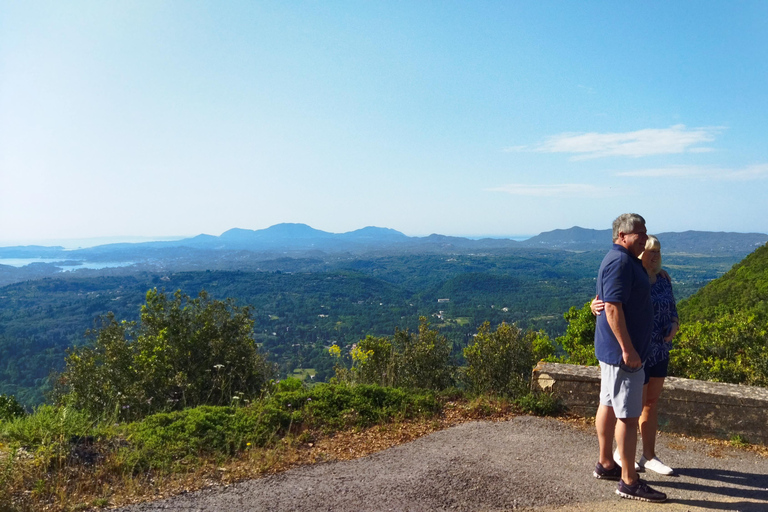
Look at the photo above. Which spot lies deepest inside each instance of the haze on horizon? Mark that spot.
(171, 119)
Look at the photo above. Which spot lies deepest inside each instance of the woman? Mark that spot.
(665, 326)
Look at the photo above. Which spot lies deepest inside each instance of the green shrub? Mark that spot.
(376, 361)
(733, 348)
(409, 360)
(165, 439)
(10, 408)
(579, 338)
(46, 425)
(184, 352)
(540, 404)
(500, 362)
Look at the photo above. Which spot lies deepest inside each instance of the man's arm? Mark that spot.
(614, 313)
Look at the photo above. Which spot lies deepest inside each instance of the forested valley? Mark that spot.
(302, 306)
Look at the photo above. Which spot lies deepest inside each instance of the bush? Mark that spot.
(49, 433)
(375, 361)
(732, 349)
(426, 358)
(46, 425)
(500, 362)
(163, 440)
(409, 360)
(10, 408)
(579, 338)
(184, 352)
(540, 404)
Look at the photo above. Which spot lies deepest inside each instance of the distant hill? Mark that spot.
(709, 243)
(575, 238)
(245, 249)
(289, 237)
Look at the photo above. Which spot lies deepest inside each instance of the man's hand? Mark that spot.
(632, 359)
(615, 315)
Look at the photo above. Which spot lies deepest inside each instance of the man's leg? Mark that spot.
(605, 422)
(626, 439)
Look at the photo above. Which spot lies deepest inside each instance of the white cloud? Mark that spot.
(561, 190)
(651, 141)
(752, 172)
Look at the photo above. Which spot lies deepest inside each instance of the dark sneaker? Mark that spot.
(607, 474)
(640, 491)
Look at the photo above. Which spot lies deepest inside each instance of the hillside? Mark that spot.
(723, 334)
(743, 289)
(308, 287)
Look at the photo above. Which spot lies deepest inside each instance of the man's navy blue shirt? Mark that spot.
(622, 279)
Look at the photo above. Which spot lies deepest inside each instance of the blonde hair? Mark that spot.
(650, 245)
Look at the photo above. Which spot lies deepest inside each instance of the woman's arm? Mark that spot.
(675, 319)
(597, 306)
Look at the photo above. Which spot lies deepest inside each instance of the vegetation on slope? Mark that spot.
(724, 331)
(124, 429)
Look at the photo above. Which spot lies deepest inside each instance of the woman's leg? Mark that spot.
(649, 420)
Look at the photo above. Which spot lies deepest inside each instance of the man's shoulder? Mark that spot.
(616, 256)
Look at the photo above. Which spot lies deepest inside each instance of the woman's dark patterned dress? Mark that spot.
(664, 313)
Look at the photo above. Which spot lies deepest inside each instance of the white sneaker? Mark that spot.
(617, 460)
(656, 465)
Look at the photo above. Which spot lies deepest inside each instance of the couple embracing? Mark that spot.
(632, 340)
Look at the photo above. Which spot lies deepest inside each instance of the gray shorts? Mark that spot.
(622, 388)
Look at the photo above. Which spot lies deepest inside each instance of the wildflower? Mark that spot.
(218, 366)
(235, 397)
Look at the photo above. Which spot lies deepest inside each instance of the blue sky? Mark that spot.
(152, 118)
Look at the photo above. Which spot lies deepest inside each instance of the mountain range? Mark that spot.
(301, 240)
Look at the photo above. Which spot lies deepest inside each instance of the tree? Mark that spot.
(500, 362)
(10, 408)
(407, 359)
(733, 348)
(579, 338)
(183, 352)
(426, 358)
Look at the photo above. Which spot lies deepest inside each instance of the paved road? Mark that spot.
(526, 463)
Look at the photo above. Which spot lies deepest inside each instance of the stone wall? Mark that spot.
(686, 406)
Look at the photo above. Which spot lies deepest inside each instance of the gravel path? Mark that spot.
(524, 463)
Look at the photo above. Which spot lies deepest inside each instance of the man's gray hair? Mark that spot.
(626, 223)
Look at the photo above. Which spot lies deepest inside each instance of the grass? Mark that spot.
(59, 459)
(739, 441)
(303, 374)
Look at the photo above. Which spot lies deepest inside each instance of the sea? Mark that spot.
(65, 267)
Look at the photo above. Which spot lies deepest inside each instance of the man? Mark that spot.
(622, 338)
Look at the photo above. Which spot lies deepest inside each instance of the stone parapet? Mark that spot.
(686, 406)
